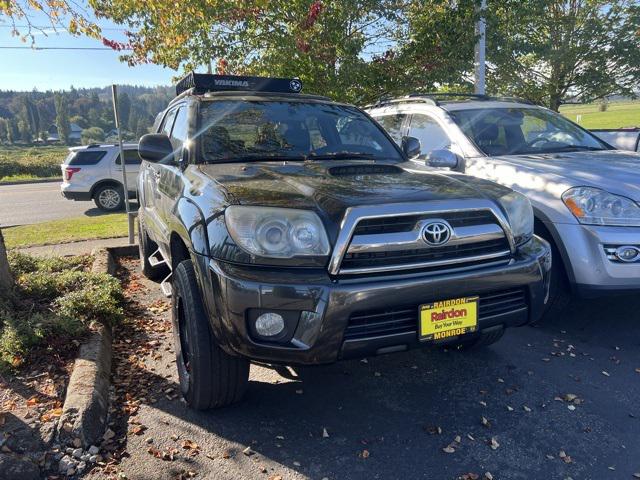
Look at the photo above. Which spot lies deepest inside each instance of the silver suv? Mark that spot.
(584, 193)
(94, 172)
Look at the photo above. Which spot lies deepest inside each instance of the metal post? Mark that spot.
(114, 93)
(479, 57)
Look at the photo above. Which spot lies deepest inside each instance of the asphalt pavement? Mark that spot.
(38, 202)
(558, 401)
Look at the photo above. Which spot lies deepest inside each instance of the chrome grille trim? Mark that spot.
(355, 214)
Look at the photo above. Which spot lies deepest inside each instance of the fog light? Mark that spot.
(628, 254)
(269, 324)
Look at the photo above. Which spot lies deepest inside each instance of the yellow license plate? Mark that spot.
(448, 318)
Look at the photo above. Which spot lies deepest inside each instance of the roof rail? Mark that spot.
(406, 99)
(206, 82)
(436, 98)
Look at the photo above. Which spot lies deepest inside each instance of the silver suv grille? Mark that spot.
(393, 238)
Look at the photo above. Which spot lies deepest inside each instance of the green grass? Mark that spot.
(618, 115)
(53, 302)
(31, 163)
(67, 230)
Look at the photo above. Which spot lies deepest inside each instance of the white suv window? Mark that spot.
(428, 131)
(393, 125)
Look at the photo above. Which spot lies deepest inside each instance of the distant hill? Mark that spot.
(88, 108)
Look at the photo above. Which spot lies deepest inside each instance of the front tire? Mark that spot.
(209, 377)
(109, 198)
(559, 290)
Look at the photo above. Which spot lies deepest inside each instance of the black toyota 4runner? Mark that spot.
(289, 230)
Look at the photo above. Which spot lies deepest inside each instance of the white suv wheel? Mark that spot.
(109, 198)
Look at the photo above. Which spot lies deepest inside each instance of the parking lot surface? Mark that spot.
(557, 401)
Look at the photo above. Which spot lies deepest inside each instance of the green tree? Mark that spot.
(80, 121)
(62, 117)
(92, 135)
(124, 109)
(553, 51)
(32, 115)
(4, 130)
(13, 130)
(25, 131)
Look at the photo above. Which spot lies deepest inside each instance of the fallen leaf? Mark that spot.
(138, 429)
(433, 430)
(488, 476)
(248, 452)
(510, 408)
(605, 373)
(449, 449)
(190, 445)
(365, 454)
(325, 434)
(493, 443)
(525, 408)
(485, 422)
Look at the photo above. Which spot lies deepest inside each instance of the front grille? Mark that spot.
(372, 226)
(404, 319)
(403, 257)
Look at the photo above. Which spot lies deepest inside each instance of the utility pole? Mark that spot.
(480, 50)
(123, 163)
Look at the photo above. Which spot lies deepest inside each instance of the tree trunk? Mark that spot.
(6, 279)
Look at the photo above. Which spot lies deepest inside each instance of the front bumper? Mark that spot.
(586, 262)
(329, 304)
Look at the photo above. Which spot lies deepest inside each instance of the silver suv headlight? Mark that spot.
(277, 232)
(520, 216)
(592, 206)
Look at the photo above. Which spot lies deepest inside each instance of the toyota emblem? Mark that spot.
(436, 233)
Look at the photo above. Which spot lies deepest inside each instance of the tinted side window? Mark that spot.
(87, 157)
(431, 135)
(180, 128)
(167, 124)
(131, 157)
(393, 125)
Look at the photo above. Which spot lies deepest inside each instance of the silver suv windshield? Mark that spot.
(518, 131)
(282, 130)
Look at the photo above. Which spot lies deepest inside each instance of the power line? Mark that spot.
(58, 48)
(59, 27)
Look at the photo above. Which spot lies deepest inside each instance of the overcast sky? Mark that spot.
(26, 69)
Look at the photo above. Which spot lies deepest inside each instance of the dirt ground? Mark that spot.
(554, 402)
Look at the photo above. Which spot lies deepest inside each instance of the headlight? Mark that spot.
(277, 232)
(592, 206)
(520, 216)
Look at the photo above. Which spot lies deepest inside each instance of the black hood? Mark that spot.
(331, 187)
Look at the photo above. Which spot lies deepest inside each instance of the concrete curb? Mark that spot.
(85, 409)
(27, 182)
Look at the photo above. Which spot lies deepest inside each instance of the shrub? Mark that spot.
(54, 297)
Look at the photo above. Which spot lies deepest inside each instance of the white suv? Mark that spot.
(94, 172)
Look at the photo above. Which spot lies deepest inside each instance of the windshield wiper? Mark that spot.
(570, 148)
(339, 155)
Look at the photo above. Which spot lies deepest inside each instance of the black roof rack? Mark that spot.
(436, 98)
(206, 82)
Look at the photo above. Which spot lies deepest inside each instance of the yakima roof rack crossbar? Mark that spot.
(206, 82)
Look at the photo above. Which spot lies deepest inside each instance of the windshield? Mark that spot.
(516, 131)
(262, 130)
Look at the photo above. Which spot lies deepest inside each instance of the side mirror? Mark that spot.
(442, 159)
(155, 147)
(411, 146)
